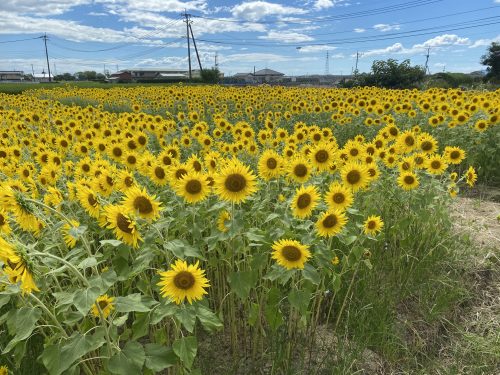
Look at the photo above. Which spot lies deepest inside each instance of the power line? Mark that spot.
(359, 14)
(20, 40)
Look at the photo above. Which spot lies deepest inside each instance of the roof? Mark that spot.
(11, 72)
(173, 75)
(40, 75)
(268, 72)
(242, 74)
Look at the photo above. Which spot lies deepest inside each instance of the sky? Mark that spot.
(293, 37)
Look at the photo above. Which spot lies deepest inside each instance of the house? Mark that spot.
(152, 75)
(11, 76)
(267, 75)
(42, 77)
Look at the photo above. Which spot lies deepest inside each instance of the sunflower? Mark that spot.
(224, 216)
(138, 202)
(373, 224)
(183, 282)
(125, 180)
(322, 155)
(304, 201)
(270, 165)
(338, 196)
(193, 187)
(103, 303)
(4, 223)
(355, 175)
(471, 176)
(235, 182)
(436, 164)
(88, 200)
(290, 253)
(68, 233)
(331, 222)
(16, 267)
(123, 225)
(454, 155)
(4, 370)
(299, 170)
(408, 180)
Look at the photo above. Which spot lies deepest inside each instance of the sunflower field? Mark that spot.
(151, 230)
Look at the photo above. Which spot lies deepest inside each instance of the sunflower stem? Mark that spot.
(72, 267)
(49, 313)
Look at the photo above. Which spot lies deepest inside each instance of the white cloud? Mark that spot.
(316, 48)
(45, 7)
(257, 10)
(168, 6)
(395, 48)
(359, 30)
(286, 37)
(259, 57)
(444, 40)
(323, 4)
(383, 27)
(485, 42)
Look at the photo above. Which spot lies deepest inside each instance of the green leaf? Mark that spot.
(140, 326)
(104, 281)
(159, 357)
(348, 240)
(208, 319)
(253, 314)
(84, 299)
(310, 273)
(60, 357)
(187, 316)
(4, 299)
(21, 323)
(185, 348)
(114, 243)
(133, 302)
(182, 249)
(120, 320)
(357, 251)
(161, 311)
(129, 361)
(368, 264)
(336, 283)
(242, 282)
(87, 263)
(299, 299)
(271, 311)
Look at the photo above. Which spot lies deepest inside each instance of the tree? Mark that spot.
(90, 75)
(64, 77)
(492, 61)
(390, 74)
(210, 75)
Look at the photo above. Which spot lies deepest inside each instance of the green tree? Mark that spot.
(64, 77)
(492, 60)
(390, 74)
(210, 75)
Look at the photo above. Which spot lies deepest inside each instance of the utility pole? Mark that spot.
(33, 71)
(47, 55)
(427, 71)
(216, 63)
(327, 64)
(188, 16)
(196, 49)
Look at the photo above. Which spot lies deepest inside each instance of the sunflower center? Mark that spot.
(321, 156)
(436, 164)
(410, 141)
(179, 173)
(338, 198)
(300, 170)
(455, 154)
(426, 146)
(129, 181)
(330, 221)
(353, 177)
(409, 180)
(2, 220)
(193, 187)
(271, 163)
(91, 199)
(102, 304)
(184, 280)
(354, 152)
(122, 222)
(291, 253)
(371, 224)
(235, 182)
(143, 205)
(160, 173)
(117, 151)
(197, 166)
(304, 201)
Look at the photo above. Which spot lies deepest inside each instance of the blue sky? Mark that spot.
(289, 36)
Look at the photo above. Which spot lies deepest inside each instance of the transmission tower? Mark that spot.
(427, 71)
